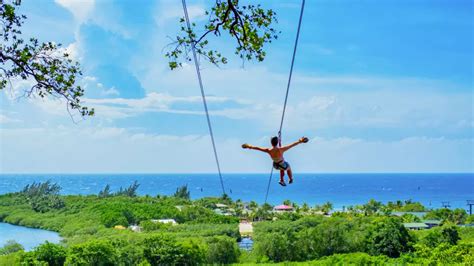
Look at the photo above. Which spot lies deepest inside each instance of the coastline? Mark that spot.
(28, 237)
(429, 189)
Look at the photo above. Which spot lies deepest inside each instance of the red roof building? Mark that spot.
(283, 208)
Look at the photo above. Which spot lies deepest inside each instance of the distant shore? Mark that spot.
(430, 189)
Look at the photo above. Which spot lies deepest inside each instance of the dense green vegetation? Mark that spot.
(94, 229)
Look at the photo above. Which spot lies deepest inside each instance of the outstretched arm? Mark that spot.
(248, 146)
(289, 146)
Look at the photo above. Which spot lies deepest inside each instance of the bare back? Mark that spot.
(276, 153)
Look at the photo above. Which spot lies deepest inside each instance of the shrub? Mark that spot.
(113, 218)
(445, 254)
(10, 247)
(165, 250)
(276, 247)
(149, 226)
(11, 259)
(352, 259)
(53, 254)
(96, 252)
(389, 237)
(222, 250)
(457, 216)
(446, 234)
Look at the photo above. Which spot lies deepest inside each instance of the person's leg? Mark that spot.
(290, 175)
(282, 175)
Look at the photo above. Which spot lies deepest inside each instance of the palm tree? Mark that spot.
(327, 207)
(371, 207)
(305, 207)
(182, 192)
(253, 205)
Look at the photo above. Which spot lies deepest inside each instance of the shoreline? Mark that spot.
(29, 237)
(430, 189)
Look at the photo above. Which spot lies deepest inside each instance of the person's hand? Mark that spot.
(245, 146)
(304, 140)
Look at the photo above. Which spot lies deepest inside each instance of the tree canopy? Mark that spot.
(49, 68)
(250, 26)
(51, 72)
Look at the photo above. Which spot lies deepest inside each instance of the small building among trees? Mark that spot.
(416, 226)
(283, 208)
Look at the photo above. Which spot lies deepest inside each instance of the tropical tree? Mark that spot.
(388, 237)
(446, 234)
(226, 199)
(253, 205)
(44, 196)
(131, 191)
(277, 246)
(249, 25)
(457, 216)
(182, 192)
(327, 207)
(165, 250)
(305, 207)
(410, 218)
(371, 207)
(10, 246)
(263, 213)
(96, 252)
(53, 254)
(222, 250)
(105, 193)
(45, 65)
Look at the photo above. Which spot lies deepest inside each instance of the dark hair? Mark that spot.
(274, 141)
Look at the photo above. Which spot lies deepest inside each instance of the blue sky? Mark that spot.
(379, 86)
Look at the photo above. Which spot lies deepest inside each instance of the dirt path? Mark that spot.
(245, 228)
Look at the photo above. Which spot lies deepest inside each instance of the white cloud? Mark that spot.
(81, 9)
(152, 102)
(66, 149)
(110, 92)
(73, 50)
(92, 11)
(52, 106)
(314, 103)
(414, 154)
(5, 119)
(171, 11)
(394, 109)
(18, 88)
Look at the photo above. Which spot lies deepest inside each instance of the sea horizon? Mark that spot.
(431, 189)
(223, 173)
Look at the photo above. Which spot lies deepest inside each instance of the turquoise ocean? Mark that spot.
(340, 189)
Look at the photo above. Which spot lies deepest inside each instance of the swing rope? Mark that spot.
(287, 91)
(198, 72)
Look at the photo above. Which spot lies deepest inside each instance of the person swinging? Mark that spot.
(276, 153)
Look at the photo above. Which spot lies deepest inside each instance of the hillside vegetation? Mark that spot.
(96, 231)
